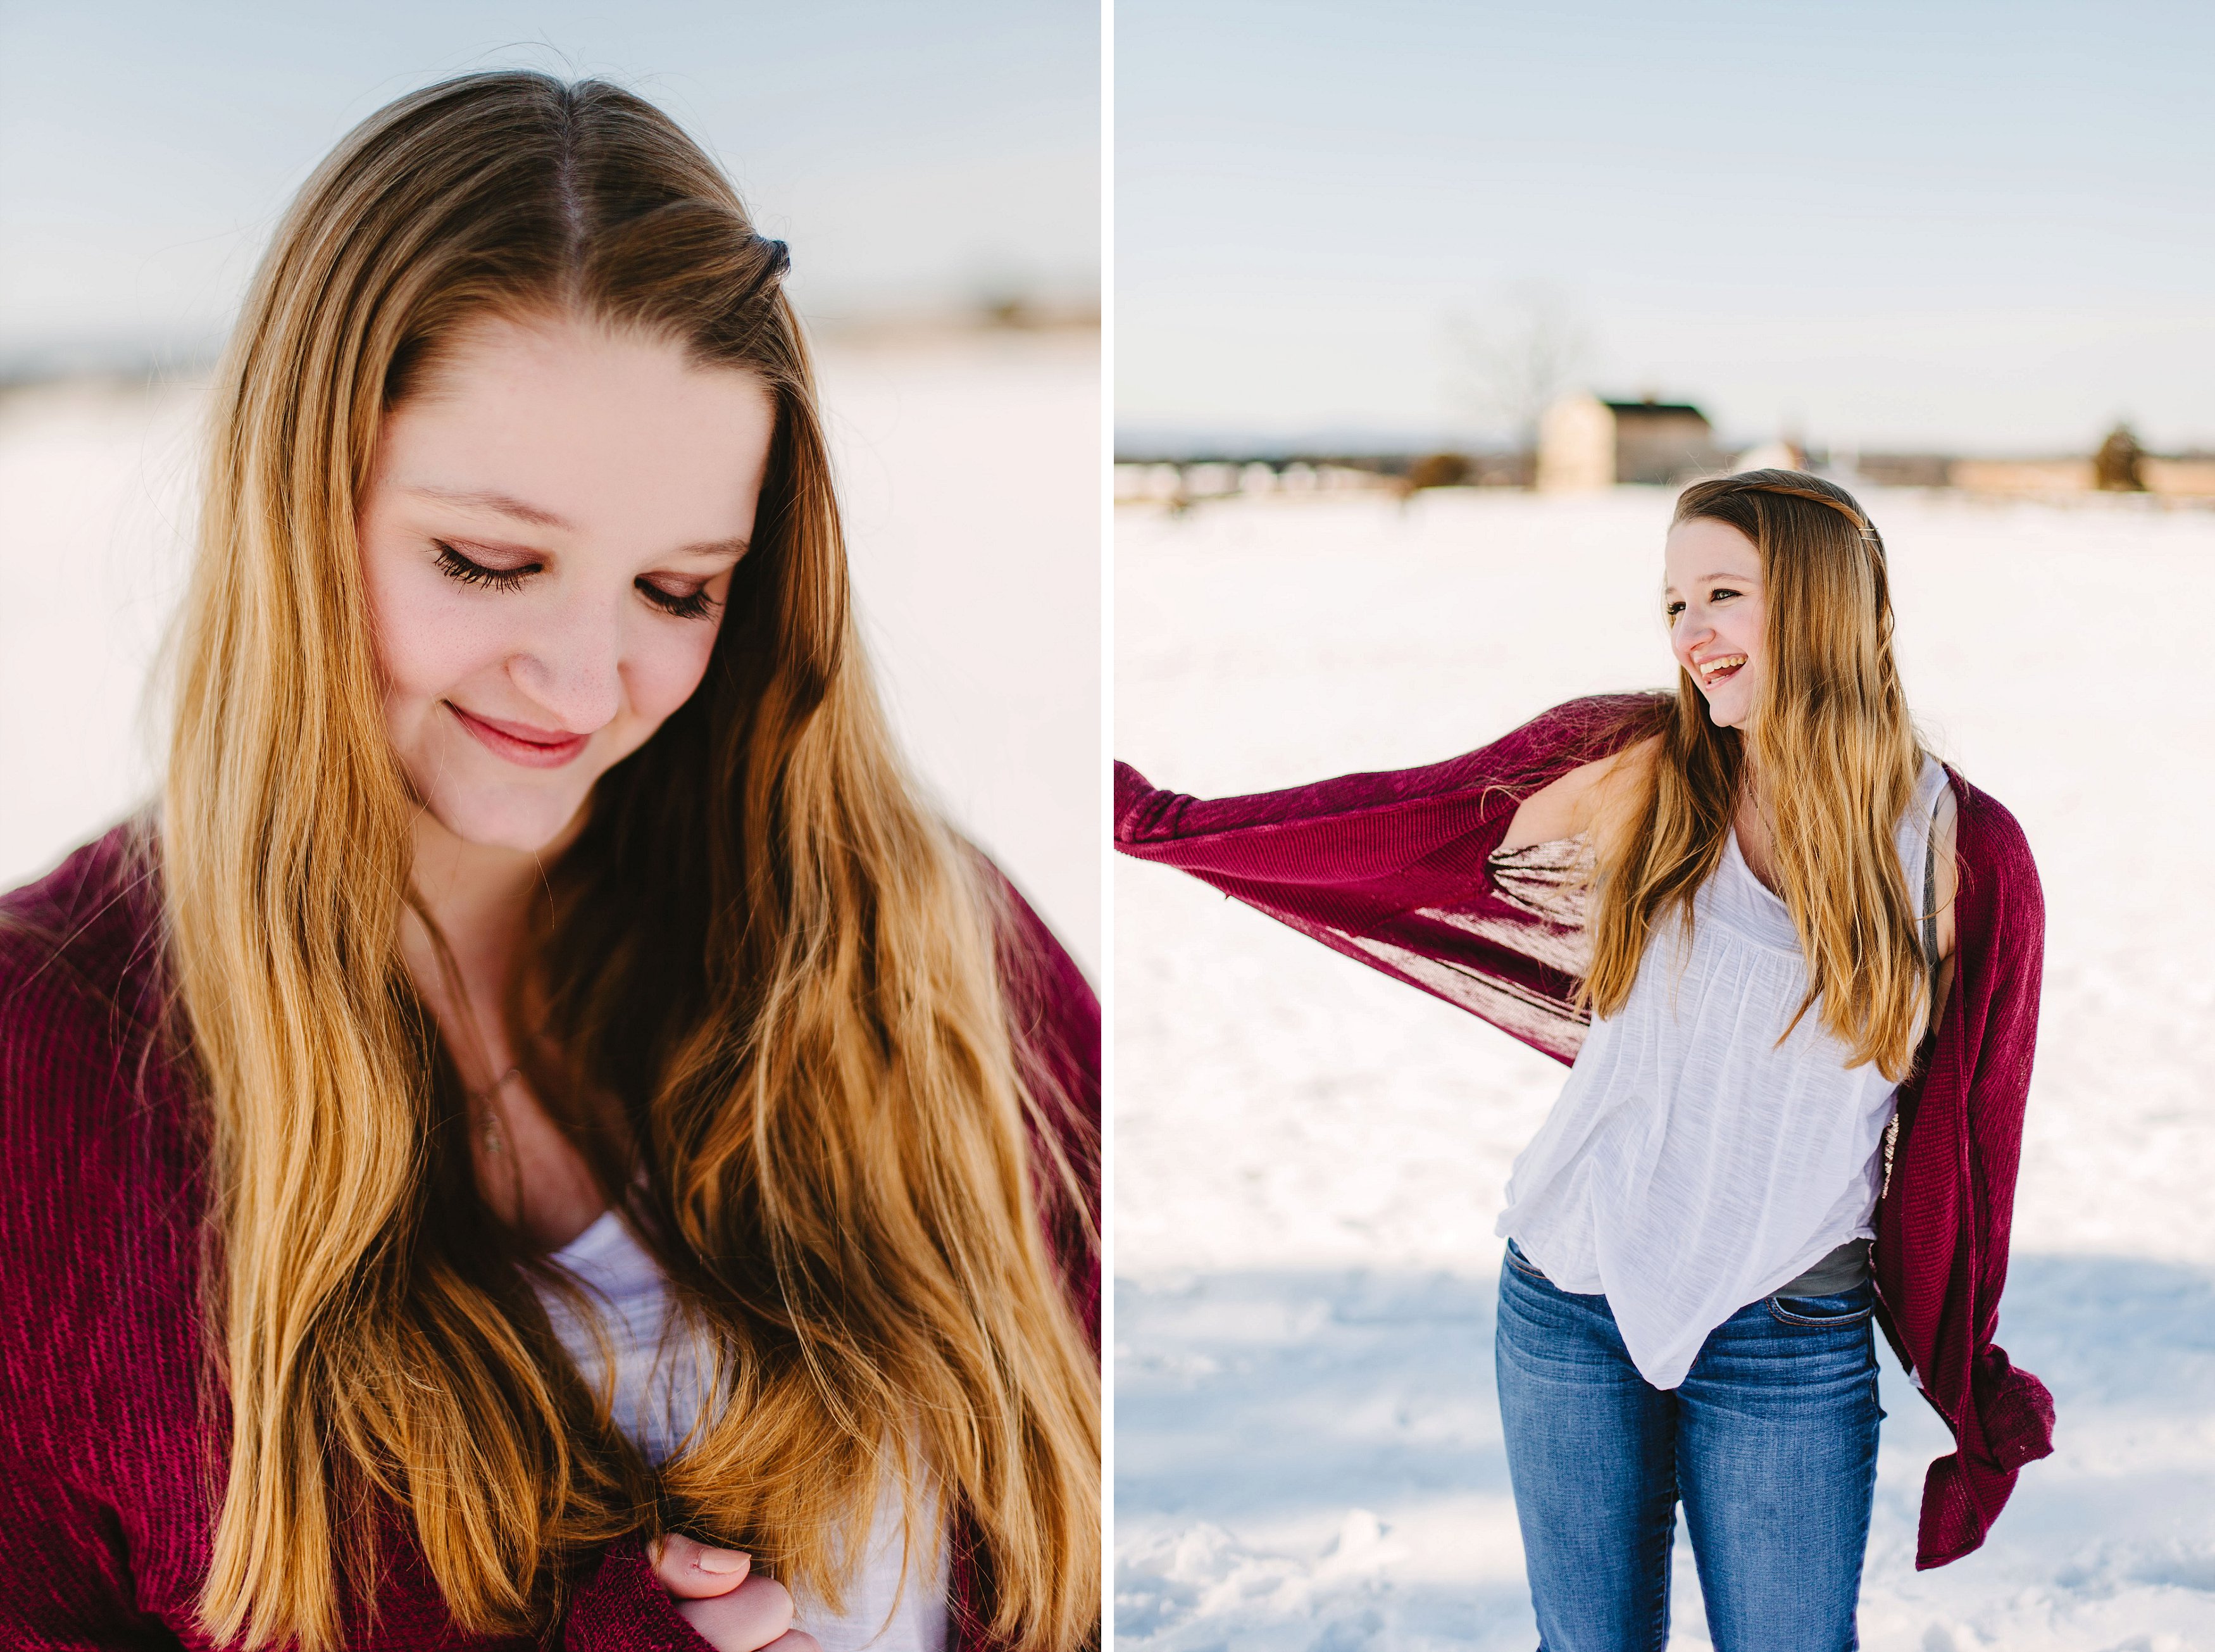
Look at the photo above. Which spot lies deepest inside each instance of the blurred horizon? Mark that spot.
(1975, 229)
(931, 167)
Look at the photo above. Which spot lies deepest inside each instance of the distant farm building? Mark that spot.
(2121, 466)
(2190, 478)
(1584, 442)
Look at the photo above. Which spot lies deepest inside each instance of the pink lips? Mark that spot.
(518, 742)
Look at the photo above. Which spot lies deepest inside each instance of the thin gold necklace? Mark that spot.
(489, 1129)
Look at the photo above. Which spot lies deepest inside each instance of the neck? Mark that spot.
(475, 892)
(479, 895)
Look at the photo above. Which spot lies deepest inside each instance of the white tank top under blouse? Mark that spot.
(1692, 1163)
(890, 1606)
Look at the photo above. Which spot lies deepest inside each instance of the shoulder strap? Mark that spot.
(1930, 906)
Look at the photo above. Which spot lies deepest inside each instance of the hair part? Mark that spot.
(785, 1044)
(1837, 760)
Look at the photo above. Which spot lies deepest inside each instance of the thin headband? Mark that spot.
(1853, 515)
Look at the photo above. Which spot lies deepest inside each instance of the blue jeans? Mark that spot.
(1770, 1442)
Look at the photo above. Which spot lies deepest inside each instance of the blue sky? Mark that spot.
(1976, 226)
(913, 155)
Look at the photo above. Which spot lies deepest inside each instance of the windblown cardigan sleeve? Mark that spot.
(108, 1440)
(1390, 868)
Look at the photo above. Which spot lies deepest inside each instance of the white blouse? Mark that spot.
(658, 1397)
(1692, 1163)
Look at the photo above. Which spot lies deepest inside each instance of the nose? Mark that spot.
(572, 662)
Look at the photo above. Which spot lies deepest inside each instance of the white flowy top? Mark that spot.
(659, 1393)
(1692, 1164)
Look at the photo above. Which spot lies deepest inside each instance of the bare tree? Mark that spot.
(1508, 368)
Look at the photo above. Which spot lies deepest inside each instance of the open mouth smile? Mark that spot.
(1721, 668)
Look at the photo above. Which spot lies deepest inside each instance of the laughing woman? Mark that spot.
(540, 1137)
(1794, 964)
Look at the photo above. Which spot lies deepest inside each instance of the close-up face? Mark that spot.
(547, 542)
(1713, 598)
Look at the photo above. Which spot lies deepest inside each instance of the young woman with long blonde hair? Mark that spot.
(541, 1136)
(1792, 962)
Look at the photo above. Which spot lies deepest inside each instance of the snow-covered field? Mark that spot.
(1309, 1157)
(970, 474)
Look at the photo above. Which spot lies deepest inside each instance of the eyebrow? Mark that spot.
(521, 511)
(489, 499)
(1697, 577)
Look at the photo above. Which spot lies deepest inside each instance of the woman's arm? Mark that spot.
(100, 1452)
(1944, 1221)
(1054, 1016)
(65, 1580)
(1361, 827)
(1572, 806)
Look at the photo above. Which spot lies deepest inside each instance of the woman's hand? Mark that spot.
(729, 1605)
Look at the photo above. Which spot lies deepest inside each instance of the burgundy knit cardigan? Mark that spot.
(1391, 869)
(107, 1443)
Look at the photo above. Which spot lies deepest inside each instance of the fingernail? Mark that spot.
(720, 1560)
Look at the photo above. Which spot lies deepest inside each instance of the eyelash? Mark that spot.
(455, 566)
(698, 606)
(1670, 609)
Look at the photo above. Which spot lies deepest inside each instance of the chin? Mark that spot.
(524, 824)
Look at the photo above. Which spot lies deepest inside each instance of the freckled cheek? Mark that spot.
(431, 641)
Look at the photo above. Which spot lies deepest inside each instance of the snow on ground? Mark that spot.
(970, 468)
(1309, 1157)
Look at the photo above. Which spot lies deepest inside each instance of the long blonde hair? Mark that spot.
(785, 1035)
(1838, 758)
